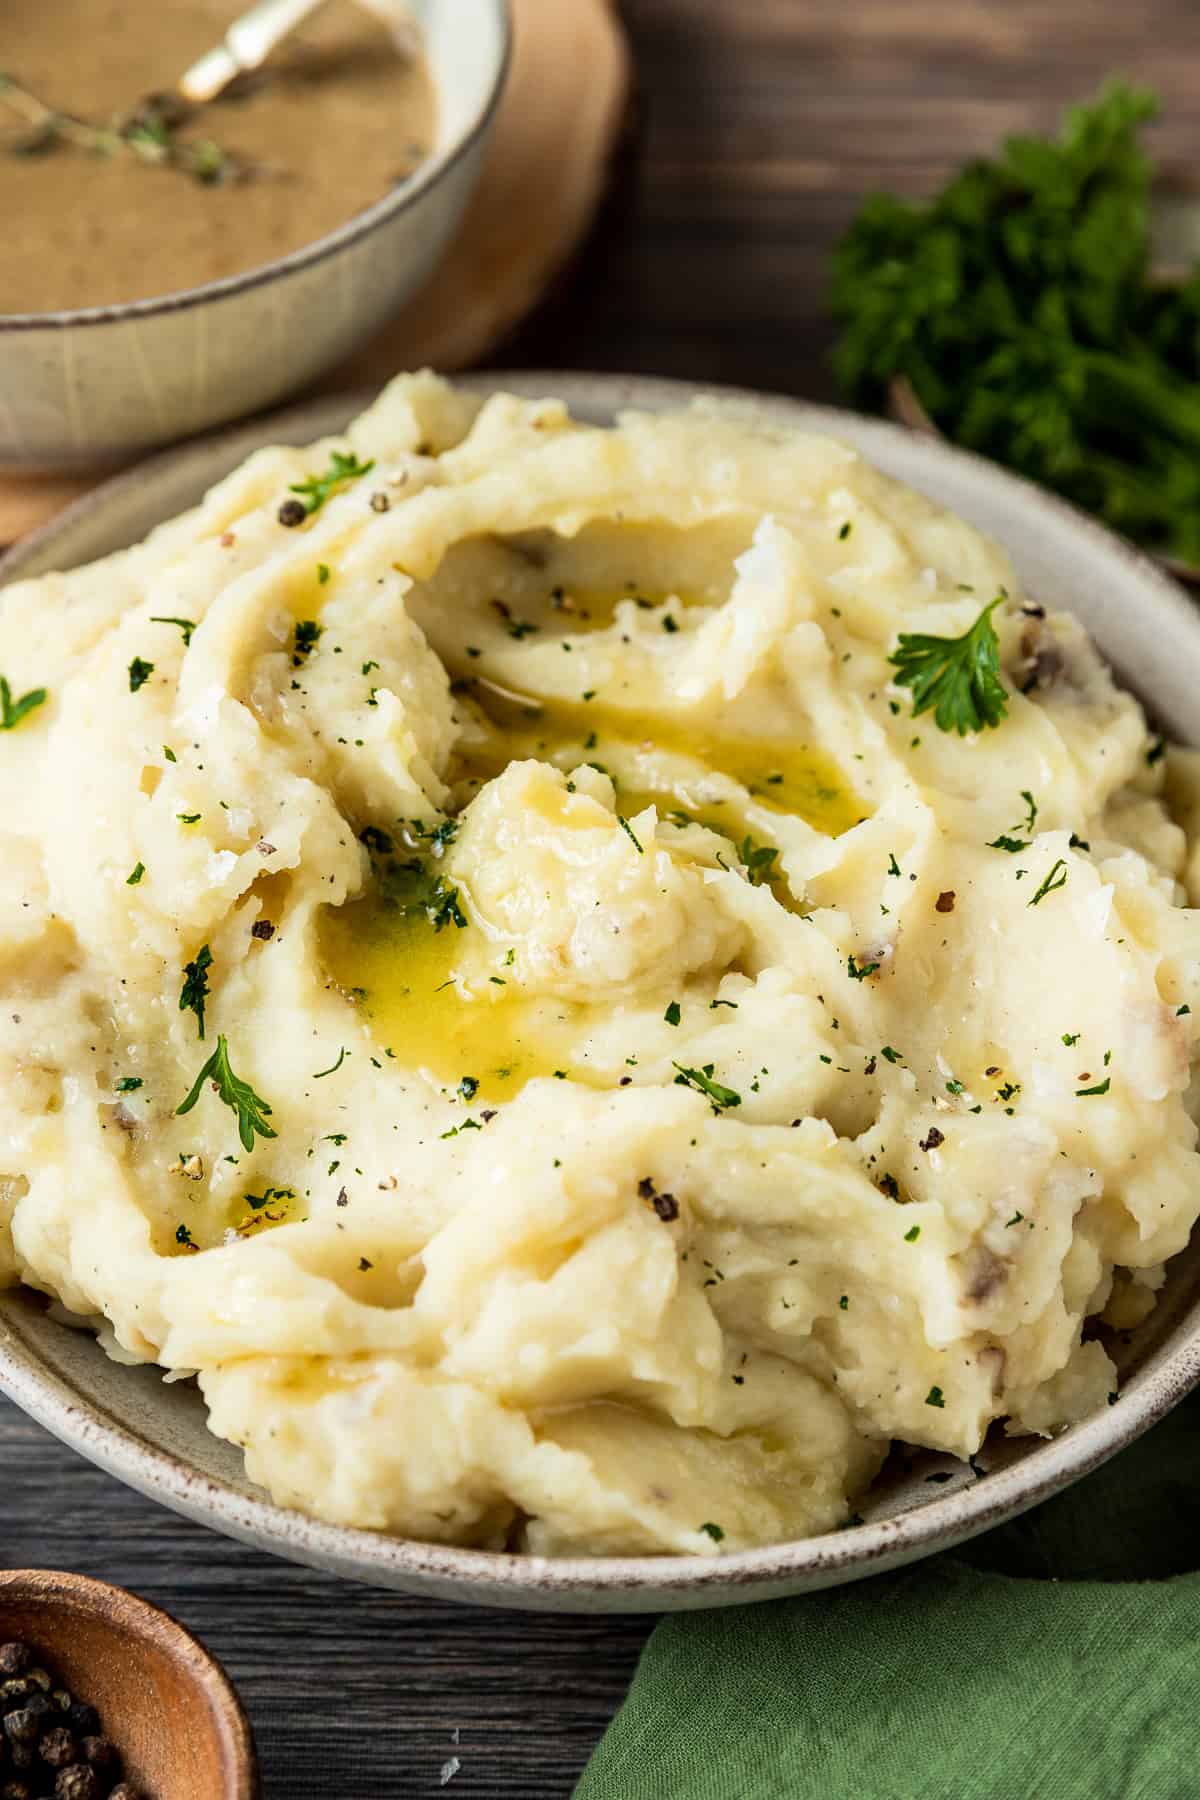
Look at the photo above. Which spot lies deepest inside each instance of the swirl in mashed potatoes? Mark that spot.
(645, 1070)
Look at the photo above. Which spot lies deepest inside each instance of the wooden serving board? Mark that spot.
(559, 123)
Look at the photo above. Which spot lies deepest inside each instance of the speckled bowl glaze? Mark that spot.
(82, 387)
(153, 1436)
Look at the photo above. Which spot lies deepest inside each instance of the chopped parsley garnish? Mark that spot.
(135, 874)
(1055, 879)
(333, 1067)
(1070, 1038)
(412, 887)
(1015, 1220)
(955, 1087)
(189, 818)
(1100, 1088)
(129, 1084)
(194, 992)
(1180, 1011)
(844, 1303)
(468, 1087)
(1031, 811)
(845, 531)
(911, 1236)
(169, 754)
(669, 623)
(139, 674)
(890, 1055)
(701, 1080)
(959, 678)
(859, 971)
(252, 1111)
(322, 574)
(13, 711)
(442, 907)
(627, 828)
(1011, 844)
(893, 867)
(713, 1531)
(757, 860)
(315, 490)
(935, 1397)
(304, 640)
(187, 626)
(183, 1236)
(673, 1014)
(256, 1202)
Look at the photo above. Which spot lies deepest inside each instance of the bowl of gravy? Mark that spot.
(168, 269)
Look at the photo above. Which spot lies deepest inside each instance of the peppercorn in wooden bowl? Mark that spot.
(104, 1697)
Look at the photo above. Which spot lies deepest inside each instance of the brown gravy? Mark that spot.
(339, 116)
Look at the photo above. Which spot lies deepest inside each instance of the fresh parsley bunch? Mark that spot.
(1018, 304)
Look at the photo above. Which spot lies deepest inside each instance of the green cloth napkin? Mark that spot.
(1057, 1658)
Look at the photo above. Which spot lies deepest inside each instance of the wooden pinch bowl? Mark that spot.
(163, 1700)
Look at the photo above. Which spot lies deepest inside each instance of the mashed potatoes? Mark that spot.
(496, 979)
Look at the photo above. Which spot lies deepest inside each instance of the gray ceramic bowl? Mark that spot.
(153, 1436)
(88, 385)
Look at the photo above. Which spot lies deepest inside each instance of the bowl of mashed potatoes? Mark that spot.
(599, 990)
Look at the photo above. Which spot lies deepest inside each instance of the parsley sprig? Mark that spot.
(758, 861)
(194, 991)
(1020, 307)
(958, 677)
(251, 1109)
(315, 490)
(702, 1081)
(13, 711)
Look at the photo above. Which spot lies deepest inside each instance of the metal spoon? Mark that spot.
(252, 37)
(246, 45)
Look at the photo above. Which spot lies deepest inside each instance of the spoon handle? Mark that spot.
(247, 43)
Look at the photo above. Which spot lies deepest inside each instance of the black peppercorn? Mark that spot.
(83, 1719)
(292, 512)
(123, 1791)
(15, 1658)
(78, 1783)
(60, 1699)
(101, 1755)
(21, 1726)
(14, 1692)
(57, 1747)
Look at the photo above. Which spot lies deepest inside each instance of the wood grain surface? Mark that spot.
(764, 120)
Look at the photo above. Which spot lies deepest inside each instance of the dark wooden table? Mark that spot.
(764, 120)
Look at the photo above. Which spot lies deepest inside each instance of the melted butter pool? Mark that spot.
(779, 774)
(428, 1010)
(431, 1007)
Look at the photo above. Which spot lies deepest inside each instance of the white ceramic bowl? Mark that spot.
(97, 383)
(153, 1436)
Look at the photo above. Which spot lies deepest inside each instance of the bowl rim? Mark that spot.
(617, 1583)
(143, 1622)
(359, 225)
